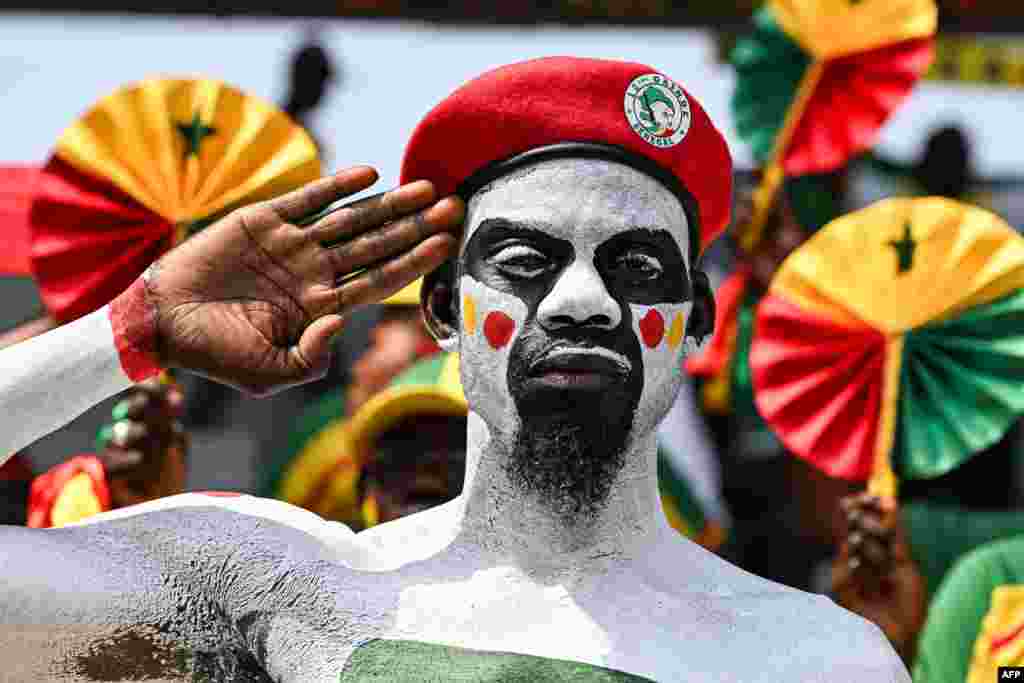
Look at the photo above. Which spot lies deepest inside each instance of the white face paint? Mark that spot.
(487, 316)
(582, 204)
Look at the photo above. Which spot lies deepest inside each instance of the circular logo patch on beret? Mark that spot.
(657, 109)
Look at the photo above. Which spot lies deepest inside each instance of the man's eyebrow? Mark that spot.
(644, 231)
(656, 237)
(517, 226)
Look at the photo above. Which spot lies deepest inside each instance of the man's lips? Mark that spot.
(580, 367)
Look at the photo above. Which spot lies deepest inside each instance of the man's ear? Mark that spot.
(702, 318)
(439, 302)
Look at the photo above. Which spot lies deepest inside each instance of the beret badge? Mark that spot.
(657, 109)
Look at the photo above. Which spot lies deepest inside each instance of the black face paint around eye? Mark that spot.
(494, 234)
(672, 285)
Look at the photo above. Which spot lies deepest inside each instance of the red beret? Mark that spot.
(555, 100)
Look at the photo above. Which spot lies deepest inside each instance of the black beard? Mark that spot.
(569, 462)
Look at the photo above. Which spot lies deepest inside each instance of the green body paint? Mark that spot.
(406, 661)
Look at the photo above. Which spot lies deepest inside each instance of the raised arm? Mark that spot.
(252, 301)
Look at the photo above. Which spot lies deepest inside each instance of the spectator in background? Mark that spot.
(895, 555)
(945, 167)
(784, 512)
(15, 480)
(397, 339)
(16, 474)
(141, 456)
(399, 452)
(312, 74)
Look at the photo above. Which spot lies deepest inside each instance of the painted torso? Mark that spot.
(683, 615)
(372, 607)
(554, 564)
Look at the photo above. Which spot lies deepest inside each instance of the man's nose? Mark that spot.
(579, 298)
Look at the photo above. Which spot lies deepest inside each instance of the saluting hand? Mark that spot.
(254, 300)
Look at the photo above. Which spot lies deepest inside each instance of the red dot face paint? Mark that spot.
(652, 328)
(498, 329)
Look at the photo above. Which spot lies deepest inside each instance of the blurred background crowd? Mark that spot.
(382, 435)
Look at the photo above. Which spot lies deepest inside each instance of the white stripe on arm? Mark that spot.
(47, 381)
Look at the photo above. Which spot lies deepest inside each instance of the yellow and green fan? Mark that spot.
(145, 167)
(818, 78)
(891, 344)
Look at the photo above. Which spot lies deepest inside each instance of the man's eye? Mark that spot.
(638, 265)
(521, 261)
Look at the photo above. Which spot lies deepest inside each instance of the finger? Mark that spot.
(870, 502)
(865, 581)
(353, 219)
(117, 459)
(320, 193)
(380, 282)
(874, 554)
(313, 352)
(872, 525)
(176, 401)
(127, 433)
(867, 546)
(858, 500)
(376, 246)
(132, 407)
(844, 583)
(178, 432)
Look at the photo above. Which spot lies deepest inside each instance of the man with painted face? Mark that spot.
(573, 300)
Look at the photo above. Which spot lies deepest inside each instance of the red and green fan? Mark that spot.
(818, 78)
(141, 170)
(17, 183)
(891, 344)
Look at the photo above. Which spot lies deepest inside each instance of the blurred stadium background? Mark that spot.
(382, 64)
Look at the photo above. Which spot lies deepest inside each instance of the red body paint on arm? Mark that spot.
(133, 321)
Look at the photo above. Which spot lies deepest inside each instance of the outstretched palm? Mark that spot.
(254, 300)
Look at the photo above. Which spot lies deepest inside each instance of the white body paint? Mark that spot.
(496, 569)
(47, 381)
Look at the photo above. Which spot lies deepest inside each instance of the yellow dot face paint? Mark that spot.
(469, 313)
(675, 333)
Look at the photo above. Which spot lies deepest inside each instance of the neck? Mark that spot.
(493, 515)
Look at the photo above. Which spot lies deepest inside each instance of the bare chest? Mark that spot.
(633, 630)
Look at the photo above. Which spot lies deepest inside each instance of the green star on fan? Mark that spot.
(904, 247)
(194, 132)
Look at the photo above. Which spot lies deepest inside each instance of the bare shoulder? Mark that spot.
(408, 539)
(336, 538)
(808, 637)
(830, 636)
(799, 636)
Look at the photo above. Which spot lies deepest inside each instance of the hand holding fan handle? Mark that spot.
(774, 173)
